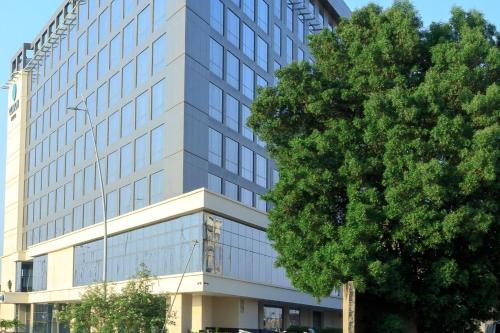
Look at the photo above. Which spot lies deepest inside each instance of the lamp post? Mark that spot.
(105, 237)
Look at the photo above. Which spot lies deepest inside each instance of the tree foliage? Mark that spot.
(134, 309)
(9, 324)
(388, 153)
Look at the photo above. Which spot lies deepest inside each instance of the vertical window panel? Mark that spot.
(214, 147)
(215, 102)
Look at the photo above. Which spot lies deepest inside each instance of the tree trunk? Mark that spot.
(348, 307)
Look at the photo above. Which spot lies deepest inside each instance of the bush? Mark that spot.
(302, 329)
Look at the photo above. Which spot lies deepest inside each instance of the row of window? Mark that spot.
(229, 189)
(227, 153)
(135, 156)
(134, 74)
(229, 249)
(130, 197)
(226, 109)
(149, 61)
(248, 79)
(119, 124)
(109, 19)
(87, 43)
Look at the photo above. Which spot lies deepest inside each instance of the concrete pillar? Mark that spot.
(202, 313)
(181, 314)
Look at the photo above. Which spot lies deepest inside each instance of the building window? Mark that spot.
(261, 173)
(300, 29)
(113, 167)
(103, 64)
(233, 29)
(103, 25)
(214, 183)
(40, 273)
(277, 40)
(125, 199)
(233, 71)
(114, 127)
(158, 102)
(230, 190)
(88, 213)
(112, 204)
(248, 41)
(141, 152)
(127, 125)
(260, 203)
(116, 13)
(128, 39)
(262, 53)
(140, 193)
(82, 47)
(128, 81)
(102, 99)
(232, 113)
(115, 54)
(294, 317)
(216, 58)
(128, 7)
(126, 165)
(262, 15)
(114, 89)
(159, 54)
(248, 82)
(289, 50)
(158, 143)
(246, 131)
(277, 9)
(273, 318)
(214, 147)
(249, 8)
(92, 36)
(247, 163)
(102, 135)
(157, 187)
(215, 102)
(81, 81)
(159, 13)
(231, 155)
(246, 197)
(217, 16)
(289, 17)
(143, 67)
(142, 109)
(89, 179)
(143, 25)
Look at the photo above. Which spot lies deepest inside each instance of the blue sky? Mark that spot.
(20, 21)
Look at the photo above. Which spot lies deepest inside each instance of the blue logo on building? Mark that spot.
(14, 92)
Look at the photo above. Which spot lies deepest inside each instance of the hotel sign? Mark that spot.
(15, 101)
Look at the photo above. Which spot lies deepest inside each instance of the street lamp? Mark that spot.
(105, 238)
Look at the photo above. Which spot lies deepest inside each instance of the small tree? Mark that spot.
(134, 309)
(8, 324)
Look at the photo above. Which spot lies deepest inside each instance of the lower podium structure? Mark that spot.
(231, 281)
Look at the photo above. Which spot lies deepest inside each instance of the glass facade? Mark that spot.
(226, 248)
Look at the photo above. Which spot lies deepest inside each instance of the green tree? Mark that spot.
(134, 309)
(6, 325)
(388, 153)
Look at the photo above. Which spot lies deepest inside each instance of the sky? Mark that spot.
(21, 21)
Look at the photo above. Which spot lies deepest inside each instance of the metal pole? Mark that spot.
(101, 182)
(178, 287)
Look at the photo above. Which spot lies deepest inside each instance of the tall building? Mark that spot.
(167, 85)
